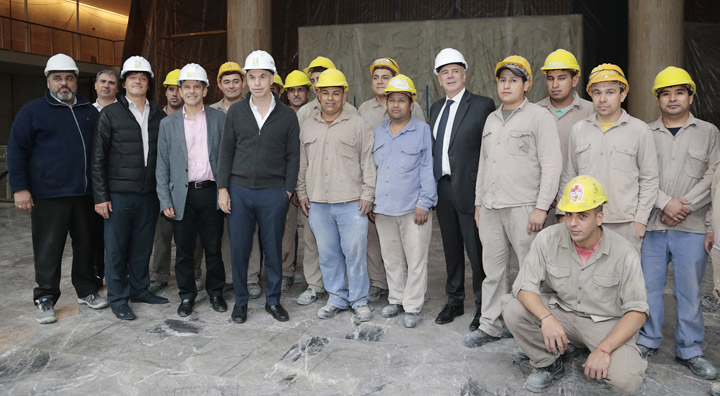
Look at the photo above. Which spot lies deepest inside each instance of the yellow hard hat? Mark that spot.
(229, 67)
(581, 194)
(401, 83)
(172, 78)
(320, 61)
(296, 78)
(606, 72)
(385, 62)
(672, 76)
(518, 61)
(332, 78)
(561, 59)
(278, 81)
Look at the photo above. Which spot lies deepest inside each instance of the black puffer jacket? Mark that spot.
(118, 163)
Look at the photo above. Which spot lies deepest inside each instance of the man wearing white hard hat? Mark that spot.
(257, 173)
(188, 147)
(49, 171)
(123, 179)
(457, 122)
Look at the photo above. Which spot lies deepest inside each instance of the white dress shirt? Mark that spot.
(142, 119)
(448, 130)
(260, 119)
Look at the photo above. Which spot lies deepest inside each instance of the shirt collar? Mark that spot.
(457, 97)
(658, 125)
(567, 243)
(272, 104)
(132, 104)
(185, 117)
(411, 126)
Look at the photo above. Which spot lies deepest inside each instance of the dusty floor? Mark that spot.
(91, 353)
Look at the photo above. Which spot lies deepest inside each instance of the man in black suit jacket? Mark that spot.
(457, 121)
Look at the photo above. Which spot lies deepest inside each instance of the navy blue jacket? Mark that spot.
(50, 146)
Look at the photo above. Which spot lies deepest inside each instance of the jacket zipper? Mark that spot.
(83, 143)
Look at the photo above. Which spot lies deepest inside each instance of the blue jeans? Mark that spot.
(128, 245)
(341, 235)
(265, 208)
(686, 251)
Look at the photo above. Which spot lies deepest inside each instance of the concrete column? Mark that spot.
(248, 28)
(655, 40)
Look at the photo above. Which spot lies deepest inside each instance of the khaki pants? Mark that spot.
(288, 241)
(500, 230)
(715, 258)
(375, 266)
(627, 230)
(404, 247)
(627, 367)
(311, 261)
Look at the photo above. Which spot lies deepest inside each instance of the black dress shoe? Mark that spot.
(277, 312)
(239, 314)
(218, 303)
(150, 298)
(448, 314)
(186, 307)
(476, 321)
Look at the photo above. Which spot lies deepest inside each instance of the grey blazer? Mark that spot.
(172, 163)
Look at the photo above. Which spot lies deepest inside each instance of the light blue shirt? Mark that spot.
(404, 163)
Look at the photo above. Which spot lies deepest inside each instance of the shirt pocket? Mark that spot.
(582, 154)
(310, 147)
(379, 153)
(519, 142)
(605, 287)
(624, 158)
(410, 158)
(349, 148)
(695, 163)
(558, 278)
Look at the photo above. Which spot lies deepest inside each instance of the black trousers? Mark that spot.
(201, 216)
(52, 219)
(459, 235)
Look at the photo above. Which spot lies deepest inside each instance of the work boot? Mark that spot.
(94, 301)
(391, 310)
(328, 311)
(542, 377)
(45, 311)
(699, 366)
(411, 319)
(375, 293)
(309, 296)
(287, 281)
(362, 313)
(478, 338)
(297, 277)
(254, 290)
(646, 352)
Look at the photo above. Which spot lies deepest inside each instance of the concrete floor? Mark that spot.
(91, 352)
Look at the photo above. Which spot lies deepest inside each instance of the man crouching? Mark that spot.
(593, 295)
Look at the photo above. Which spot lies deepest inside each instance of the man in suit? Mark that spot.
(457, 122)
(188, 147)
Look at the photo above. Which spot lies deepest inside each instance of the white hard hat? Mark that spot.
(448, 56)
(259, 60)
(60, 62)
(136, 64)
(194, 72)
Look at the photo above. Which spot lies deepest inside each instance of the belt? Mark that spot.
(201, 184)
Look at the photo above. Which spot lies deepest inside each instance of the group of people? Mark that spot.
(569, 211)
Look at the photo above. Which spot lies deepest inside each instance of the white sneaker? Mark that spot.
(45, 311)
(94, 301)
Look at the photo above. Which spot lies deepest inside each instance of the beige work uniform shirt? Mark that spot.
(336, 163)
(623, 159)
(609, 285)
(687, 163)
(520, 160)
(309, 108)
(219, 106)
(373, 113)
(578, 110)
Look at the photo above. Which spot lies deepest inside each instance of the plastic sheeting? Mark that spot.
(702, 55)
(414, 45)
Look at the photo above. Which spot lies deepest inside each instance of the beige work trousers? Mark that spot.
(715, 258)
(375, 266)
(501, 230)
(627, 367)
(627, 230)
(311, 261)
(404, 247)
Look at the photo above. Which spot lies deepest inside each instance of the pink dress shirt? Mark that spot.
(197, 147)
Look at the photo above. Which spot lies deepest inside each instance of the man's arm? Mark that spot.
(162, 170)
(225, 162)
(292, 156)
(556, 340)
(98, 165)
(596, 365)
(367, 166)
(648, 177)
(19, 153)
(699, 194)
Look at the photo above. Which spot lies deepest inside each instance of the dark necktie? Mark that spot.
(440, 138)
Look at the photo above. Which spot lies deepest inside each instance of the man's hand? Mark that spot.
(596, 365)
(371, 216)
(640, 229)
(289, 195)
(104, 209)
(23, 200)
(556, 340)
(169, 212)
(421, 216)
(305, 206)
(477, 217)
(536, 220)
(667, 220)
(677, 210)
(365, 207)
(294, 200)
(224, 200)
(709, 241)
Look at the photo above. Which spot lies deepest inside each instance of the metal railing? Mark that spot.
(23, 36)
